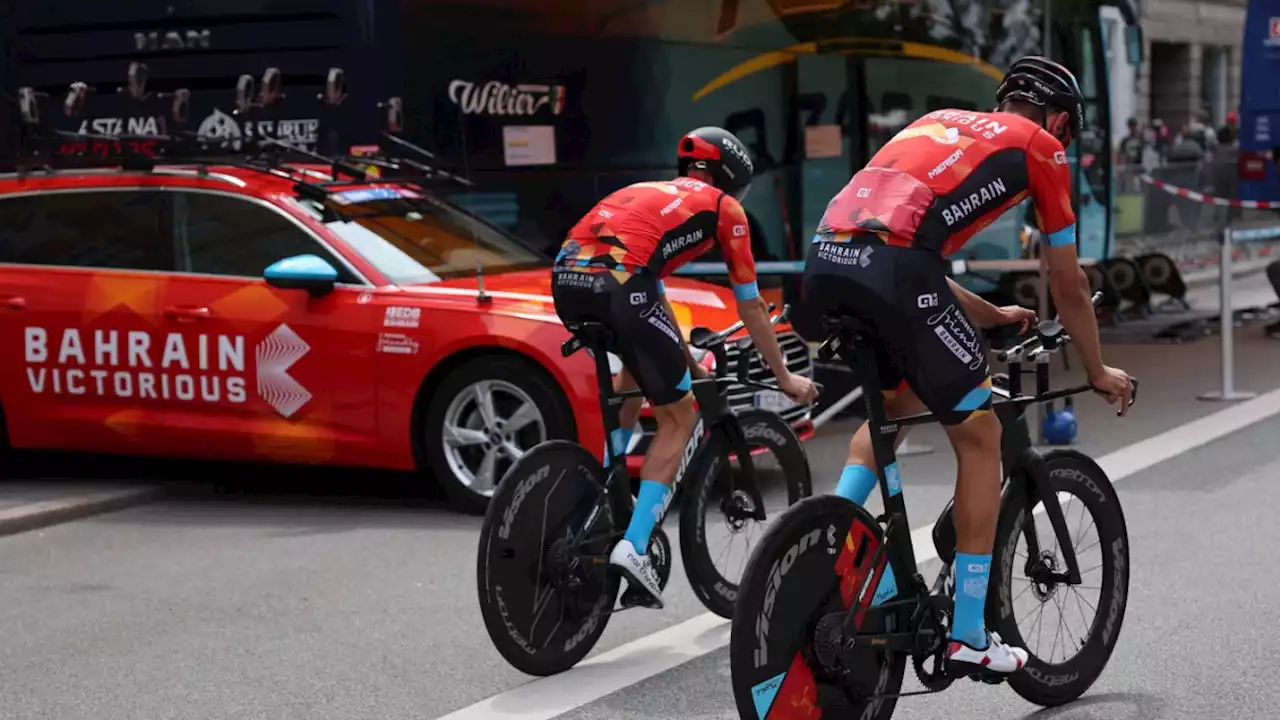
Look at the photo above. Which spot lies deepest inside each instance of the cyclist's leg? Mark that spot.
(947, 367)
(627, 415)
(651, 350)
(865, 292)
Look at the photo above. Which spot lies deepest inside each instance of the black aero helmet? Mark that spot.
(1043, 82)
(721, 154)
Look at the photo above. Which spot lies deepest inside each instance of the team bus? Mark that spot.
(1260, 103)
(546, 105)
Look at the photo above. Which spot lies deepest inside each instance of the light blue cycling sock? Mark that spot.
(972, 572)
(856, 484)
(653, 495)
(621, 438)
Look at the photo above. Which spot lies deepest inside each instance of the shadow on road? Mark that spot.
(1112, 706)
(217, 493)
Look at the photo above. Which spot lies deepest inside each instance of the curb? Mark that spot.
(31, 516)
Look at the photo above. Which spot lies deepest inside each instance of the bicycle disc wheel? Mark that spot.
(716, 533)
(1069, 631)
(807, 567)
(544, 605)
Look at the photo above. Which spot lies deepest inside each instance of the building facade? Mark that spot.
(1191, 60)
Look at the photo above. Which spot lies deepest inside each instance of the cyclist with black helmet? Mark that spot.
(879, 255)
(610, 270)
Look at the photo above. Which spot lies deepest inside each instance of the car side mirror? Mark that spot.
(302, 272)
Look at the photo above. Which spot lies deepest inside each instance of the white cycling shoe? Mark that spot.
(963, 660)
(643, 585)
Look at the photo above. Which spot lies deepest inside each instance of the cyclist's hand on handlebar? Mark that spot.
(800, 388)
(1115, 385)
(1024, 318)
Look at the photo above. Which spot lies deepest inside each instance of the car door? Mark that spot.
(274, 374)
(81, 274)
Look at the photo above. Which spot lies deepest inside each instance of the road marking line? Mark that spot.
(640, 659)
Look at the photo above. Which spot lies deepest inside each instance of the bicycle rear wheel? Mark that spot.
(1067, 656)
(545, 603)
(717, 536)
(803, 573)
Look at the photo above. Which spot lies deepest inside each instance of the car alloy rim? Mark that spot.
(487, 427)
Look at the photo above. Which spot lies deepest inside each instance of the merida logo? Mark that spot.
(994, 190)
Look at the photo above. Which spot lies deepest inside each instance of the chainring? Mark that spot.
(660, 554)
(936, 679)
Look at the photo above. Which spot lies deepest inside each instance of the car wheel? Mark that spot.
(483, 417)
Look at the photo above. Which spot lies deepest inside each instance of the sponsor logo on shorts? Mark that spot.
(927, 300)
(639, 298)
(573, 278)
(1060, 157)
(845, 254)
(656, 317)
(739, 230)
(954, 330)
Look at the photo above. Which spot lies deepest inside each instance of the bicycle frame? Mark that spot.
(1025, 471)
(713, 409)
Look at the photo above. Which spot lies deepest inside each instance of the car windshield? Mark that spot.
(413, 237)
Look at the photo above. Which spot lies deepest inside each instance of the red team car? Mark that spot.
(230, 313)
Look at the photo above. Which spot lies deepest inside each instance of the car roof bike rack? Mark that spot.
(49, 150)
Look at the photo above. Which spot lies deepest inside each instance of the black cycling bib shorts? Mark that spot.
(648, 341)
(925, 339)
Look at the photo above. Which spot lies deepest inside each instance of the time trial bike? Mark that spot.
(808, 631)
(545, 585)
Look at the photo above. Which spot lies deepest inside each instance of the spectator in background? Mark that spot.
(1202, 126)
(1186, 158)
(1229, 133)
(1132, 144)
(1160, 139)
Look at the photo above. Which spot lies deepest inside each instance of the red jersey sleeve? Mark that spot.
(1050, 178)
(734, 236)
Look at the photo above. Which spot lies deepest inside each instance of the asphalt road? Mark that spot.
(212, 605)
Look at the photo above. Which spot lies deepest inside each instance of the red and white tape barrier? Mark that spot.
(1210, 199)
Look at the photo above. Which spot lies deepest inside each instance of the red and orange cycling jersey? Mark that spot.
(950, 174)
(659, 226)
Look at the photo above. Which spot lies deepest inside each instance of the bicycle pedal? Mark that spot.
(988, 678)
(635, 597)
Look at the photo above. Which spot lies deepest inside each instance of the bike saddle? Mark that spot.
(586, 333)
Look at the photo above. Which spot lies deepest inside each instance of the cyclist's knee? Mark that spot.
(679, 415)
(979, 433)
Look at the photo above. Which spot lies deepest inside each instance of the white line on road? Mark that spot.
(628, 664)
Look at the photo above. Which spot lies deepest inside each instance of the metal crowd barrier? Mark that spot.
(1231, 237)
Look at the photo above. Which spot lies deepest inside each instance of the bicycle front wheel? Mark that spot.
(546, 602)
(717, 532)
(1070, 631)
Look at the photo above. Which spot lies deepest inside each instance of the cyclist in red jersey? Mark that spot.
(879, 255)
(610, 270)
